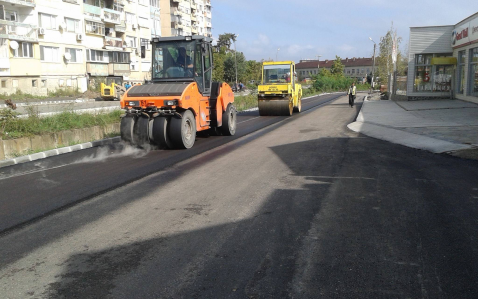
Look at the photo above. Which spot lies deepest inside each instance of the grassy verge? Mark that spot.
(20, 96)
(12, 127)
(245, 102)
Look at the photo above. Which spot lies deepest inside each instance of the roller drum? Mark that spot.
(275, 106)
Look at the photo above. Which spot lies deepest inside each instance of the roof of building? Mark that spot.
(347, 62)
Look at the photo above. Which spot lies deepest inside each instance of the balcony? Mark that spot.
(177, 25)
(208, 25)
(119, 69)
(92, 11)
(121, 27)
(154, 10)
(208, 14)
(71, 1)
(113, 42)
(176, 12)
(208, 3)
(26, 3)
(193, 18)
(18, 31)
(177, 1)
(111, 16)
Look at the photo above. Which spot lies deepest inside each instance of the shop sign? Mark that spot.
(465, 34)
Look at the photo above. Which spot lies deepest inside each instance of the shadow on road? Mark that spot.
(358, 218)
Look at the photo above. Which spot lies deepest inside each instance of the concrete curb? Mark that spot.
(79, 100)
(58, 151)
(401, 137)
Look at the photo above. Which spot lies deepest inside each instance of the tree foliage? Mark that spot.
(337, 67)
(384, 63)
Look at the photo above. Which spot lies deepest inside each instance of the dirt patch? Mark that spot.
(471, 153)
(90, 94)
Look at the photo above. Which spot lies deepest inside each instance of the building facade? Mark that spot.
(443, 61)
(46, 45)
(355, 68)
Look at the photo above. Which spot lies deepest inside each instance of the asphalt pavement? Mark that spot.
(301, 208)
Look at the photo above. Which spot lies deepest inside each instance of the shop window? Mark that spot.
(423, 72)
(461, 72)
(442, 78)
(474, 72)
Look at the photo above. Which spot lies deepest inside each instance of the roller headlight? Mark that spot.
(171, 103)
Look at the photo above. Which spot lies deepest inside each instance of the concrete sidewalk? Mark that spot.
(439, 126)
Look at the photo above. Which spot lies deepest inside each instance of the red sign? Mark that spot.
(462, 34)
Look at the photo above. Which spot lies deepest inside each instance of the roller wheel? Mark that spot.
(299, 106)
(160, 132)
(141, 131)
(229, 121)
(183, 130)
(127, 128)
(275, 107)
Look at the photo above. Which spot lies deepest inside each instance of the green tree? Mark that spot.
(384, 63)
(337, 67)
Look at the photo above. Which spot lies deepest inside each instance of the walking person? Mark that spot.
(352, 94)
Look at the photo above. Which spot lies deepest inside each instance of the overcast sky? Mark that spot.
(307, 28)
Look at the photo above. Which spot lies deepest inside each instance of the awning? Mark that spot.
(443, 60)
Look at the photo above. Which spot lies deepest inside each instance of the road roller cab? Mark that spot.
(279, 92)
(180, 99)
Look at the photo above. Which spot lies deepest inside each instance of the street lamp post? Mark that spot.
(277, 53)
(235, 57)
(373, 66)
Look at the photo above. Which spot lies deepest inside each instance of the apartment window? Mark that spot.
(143, 22)
(76, 54)
(49, 54)
(34, 83)
(95, 28)
(368, 71)
(144, 47)
(143, 2)
(362, 71)
(348, 71)
(474, 72)
(43, 83)
(353, 71)
(130, 41)
(119, 57)
(25, 50)
(96, 56)
(11, 16)
(47, 21)
(72, 25)
(461, 72)
(4, 83)
(154, 3)
(118, 7)
(130, 18)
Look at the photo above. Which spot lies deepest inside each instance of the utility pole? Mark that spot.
(373, 66)
(235, 56)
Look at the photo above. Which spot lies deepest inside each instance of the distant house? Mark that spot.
(356, 68)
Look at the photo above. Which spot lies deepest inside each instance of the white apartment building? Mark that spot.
(50, 44)
(190, 17)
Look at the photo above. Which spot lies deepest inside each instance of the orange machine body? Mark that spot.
(190, 99)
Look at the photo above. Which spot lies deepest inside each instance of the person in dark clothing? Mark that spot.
(352, 94)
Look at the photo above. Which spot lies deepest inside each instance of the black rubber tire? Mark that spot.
(183, 130)
(229, 121)
(160, 134)
(127, 128)
(141, 131)
(299, 106)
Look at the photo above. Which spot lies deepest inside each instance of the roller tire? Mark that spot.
(161, 132)
(141, 131)
(183, 130)
(275, 107)
(127, 128)
(229, 121)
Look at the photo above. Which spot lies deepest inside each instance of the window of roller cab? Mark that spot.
(173, 59)
(277, 74)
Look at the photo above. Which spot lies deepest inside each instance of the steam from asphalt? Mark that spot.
(104, 153)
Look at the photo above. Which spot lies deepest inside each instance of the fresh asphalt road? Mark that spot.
(302, 208)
